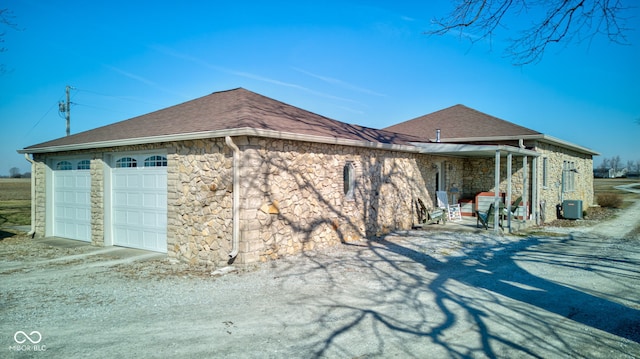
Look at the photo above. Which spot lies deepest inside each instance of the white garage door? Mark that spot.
(139, 202)
(72, 199)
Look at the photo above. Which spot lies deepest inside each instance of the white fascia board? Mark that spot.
(245, 131)
(540, 137)
(463, 150)
(567, 144)
(490, 138)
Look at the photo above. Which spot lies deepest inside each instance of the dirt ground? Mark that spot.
(556, 292)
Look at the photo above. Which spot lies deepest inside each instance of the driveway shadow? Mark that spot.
(500, 290)
(5, 234)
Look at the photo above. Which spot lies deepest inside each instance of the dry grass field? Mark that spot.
(15, 202)
(607, 186)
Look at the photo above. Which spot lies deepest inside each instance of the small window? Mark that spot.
(569, 176)
(545, 181)
(126, 162)
(64, 166)
(84, 165)
(155, 161)
(349, 180)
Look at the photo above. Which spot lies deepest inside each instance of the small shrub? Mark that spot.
(610, 200)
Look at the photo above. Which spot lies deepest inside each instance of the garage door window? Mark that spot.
(84, 165)
(126, 162)
(155, 161)
(64, 166)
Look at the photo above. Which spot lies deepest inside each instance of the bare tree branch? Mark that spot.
(6, 19)
(564, 21)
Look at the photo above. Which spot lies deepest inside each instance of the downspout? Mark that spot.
(235, 237)
(32, 232)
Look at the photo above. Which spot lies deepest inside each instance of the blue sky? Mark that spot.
(362, 62)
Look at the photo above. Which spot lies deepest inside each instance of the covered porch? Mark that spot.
(500, 193)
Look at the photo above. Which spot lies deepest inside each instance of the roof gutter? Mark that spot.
(457, 149)
(540, 137)
(244, 131)
(464, 150)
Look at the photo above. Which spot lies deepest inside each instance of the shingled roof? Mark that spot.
(220, 111)
(460, 122)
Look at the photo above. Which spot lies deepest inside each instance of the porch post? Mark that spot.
(508, 199)
(525, 188)
(534, 190)
(496, 199)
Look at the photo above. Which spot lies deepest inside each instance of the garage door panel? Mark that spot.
(119, 197)
(82, 215)
(153, 200)
(150, 238)
(72, 204)
(150, 180)
(119, 216)
(139, 207)
(84, 197)
(119, 180)
(133, 218)
(127, 218)
(154, 220)
(126, 199)
(82, 181)
(133, 200)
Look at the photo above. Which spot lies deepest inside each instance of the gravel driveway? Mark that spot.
(416, 294)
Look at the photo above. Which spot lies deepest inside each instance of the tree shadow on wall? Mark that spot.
(379, 185)
(408, 296)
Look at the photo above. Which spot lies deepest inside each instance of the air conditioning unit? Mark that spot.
(572, 209)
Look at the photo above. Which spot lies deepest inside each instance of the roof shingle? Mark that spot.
(232, 109)
(460, 121)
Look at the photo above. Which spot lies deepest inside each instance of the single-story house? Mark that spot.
(239, 177)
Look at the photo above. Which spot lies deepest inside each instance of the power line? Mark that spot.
(41, 118)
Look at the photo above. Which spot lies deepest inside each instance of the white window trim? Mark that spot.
(349, 180)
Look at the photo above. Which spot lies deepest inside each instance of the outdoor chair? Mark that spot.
(453, 212)
(437, 215)
(511, 211)
(486, 218)
(429, 216)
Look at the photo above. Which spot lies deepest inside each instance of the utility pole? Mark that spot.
(66, 108)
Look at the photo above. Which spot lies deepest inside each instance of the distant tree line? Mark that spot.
(14, 172)
(615, 167)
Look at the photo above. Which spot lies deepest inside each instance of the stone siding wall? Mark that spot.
(550, 194)
(97, 200)
(479, 176)
(40, 200)
(199, 207)
(292, 195)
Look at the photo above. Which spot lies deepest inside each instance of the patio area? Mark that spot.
(470, 223)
